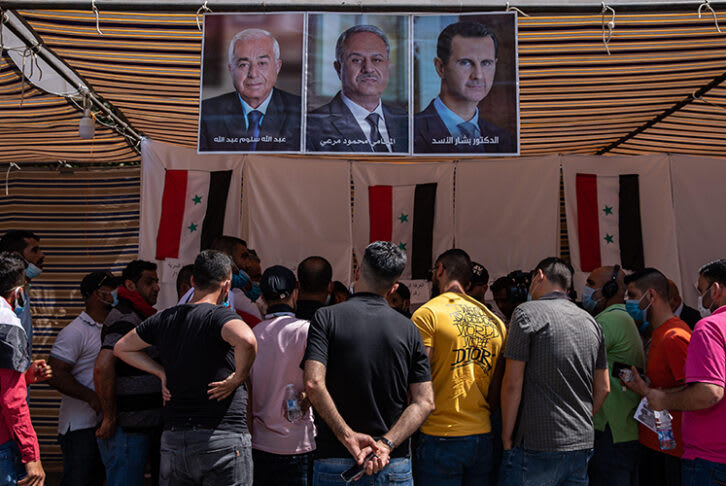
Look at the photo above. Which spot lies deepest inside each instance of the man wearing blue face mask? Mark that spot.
(647, 300)
(615, 459)
(26, 244)
(72, 357)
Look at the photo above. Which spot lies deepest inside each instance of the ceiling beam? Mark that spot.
(673, 109)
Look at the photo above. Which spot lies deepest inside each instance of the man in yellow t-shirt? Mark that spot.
(464, 341)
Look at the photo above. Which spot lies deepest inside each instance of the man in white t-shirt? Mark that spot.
(281, 449)
(72, 357)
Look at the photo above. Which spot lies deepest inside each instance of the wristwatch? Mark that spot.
(388, 443)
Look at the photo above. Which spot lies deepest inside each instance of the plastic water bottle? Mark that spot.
(666, 439)
(293, 412)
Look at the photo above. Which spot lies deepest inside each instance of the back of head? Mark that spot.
(314, 275)
(134, 269)
(227, 244)
(278, 284)
(557, 271)
(211, 268)
(457, 265)
(14, 240)
(383, 262)
(12, 273)
(403, 291)
(502, 283)
(649, 278)
(714, 272)
(463, 29)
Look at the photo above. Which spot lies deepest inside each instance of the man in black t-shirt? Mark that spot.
(362, 360)
(205, 352)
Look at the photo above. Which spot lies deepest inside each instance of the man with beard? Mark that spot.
(356, 120)
(464, 341)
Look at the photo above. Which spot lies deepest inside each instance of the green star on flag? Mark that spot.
(197, 199)
(609, 238)
(608, 209)
(192, 228)
(403, 218)
(402, 246)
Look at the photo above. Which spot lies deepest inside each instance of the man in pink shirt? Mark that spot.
(19, 450)
(704, 416)
(283, 439)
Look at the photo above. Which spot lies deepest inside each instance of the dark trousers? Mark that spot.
(282, 470)
(700, 472)
(82, 465)
(613, 463)
(659, 468)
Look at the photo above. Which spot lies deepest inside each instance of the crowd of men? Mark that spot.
(277, 378)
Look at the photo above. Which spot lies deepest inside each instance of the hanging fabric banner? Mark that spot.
(620, 211)
(186, 202)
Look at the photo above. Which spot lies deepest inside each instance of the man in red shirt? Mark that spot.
(19, 450)
(647, 300)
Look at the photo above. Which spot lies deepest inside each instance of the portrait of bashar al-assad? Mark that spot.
(453, 122)
(256, 116)
(356, 119)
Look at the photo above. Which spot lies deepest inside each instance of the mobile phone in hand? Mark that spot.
(623, 371)
(356, 471)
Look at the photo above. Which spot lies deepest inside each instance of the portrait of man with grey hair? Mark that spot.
(356, 119)
(257, 116)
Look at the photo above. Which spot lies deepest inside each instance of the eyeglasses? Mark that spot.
(106, 277)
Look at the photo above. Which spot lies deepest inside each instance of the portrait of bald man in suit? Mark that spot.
(356, 119)
(256, 116)
(466, 63)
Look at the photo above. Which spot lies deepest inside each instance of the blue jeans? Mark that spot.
(522, 467)
(205, 457)
(282, 469)
(124, 455)
(82, 464)
(326, 472)
(454, 461)
(700, 472)
(11, 468)
(614, 463)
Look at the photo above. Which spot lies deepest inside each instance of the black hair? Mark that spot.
(314, 274)
(457, 264)
(403, 291)
(15, 240)
(464, 29)
(226, 244)
(502, 283)
(134, 269)
(12, 272)
(340, 287)
(383, 262)
(211, 268)
(649, 278)
(184, 277)
(557, 271)
(714, 271)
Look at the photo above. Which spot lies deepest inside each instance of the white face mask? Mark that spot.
(704, 312)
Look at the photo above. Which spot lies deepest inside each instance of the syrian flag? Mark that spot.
(608, 221)
(404, 215)
(192, 212)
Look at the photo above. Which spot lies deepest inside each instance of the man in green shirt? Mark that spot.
(615, 459)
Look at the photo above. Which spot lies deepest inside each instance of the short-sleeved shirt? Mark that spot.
(281, 340)
(467, 339)
(193, 354)
(704, 433)
(623, 345)
(138, 393)
(562, 346)
(666, 368)
(78, 345)
(372, 354)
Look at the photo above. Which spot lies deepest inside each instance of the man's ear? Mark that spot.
(392, 290)
(279, 65)
(130, 285)
(336, 65)
(330, 288)
(439, 65)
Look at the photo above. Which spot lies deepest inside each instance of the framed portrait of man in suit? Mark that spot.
(358, 84)
(466, 84)
(251, 83)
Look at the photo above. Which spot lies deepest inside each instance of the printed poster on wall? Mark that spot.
(368, 83)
